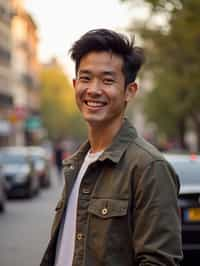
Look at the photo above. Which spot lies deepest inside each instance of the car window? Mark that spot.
(11, 158)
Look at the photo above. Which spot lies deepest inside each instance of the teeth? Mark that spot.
(94, 104)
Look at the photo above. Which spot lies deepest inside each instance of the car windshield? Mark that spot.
(188, 171)
(12, 158)
(36, 157)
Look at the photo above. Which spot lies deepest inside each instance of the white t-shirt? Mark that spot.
(66, 238)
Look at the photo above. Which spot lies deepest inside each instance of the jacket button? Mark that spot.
(71, 167)
(85, 190)
(104, 211)
(79, 236)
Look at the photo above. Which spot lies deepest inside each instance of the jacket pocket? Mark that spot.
(108, 208)
(108, 238)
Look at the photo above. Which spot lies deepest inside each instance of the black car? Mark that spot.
(188, 169)
(2, 192)
(19, 172)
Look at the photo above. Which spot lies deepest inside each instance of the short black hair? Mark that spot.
(100, 40)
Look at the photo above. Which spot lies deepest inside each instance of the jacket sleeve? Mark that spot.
(157, 226)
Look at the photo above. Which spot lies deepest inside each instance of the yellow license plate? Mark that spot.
(194, 214)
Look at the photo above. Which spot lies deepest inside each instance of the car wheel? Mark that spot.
(47, 182)
(2, 201)
(2, 207)
(37, 189)
(30, 191)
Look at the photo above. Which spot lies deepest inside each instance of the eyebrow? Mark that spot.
(84, 72)
(109, 73)
(104, 73)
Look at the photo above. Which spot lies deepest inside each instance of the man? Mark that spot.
(119, 203)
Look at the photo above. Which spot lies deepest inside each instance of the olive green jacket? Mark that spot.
(127, 211)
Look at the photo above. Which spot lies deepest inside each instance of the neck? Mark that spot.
(100, 137)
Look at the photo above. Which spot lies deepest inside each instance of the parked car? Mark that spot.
(2, 192)
(42, 164)
(19, 172)
(188, 169)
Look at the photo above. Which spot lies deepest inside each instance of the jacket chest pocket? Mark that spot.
(108, 208)
(108, 229)
(107, 218)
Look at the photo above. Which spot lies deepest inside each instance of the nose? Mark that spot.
(94, 88)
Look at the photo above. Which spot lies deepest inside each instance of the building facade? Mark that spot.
(6, 98)
(25, 70)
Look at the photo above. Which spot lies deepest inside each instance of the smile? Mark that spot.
(95, 104)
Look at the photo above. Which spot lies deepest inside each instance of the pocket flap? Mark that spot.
(107, 208)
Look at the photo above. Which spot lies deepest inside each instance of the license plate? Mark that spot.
(192, 215)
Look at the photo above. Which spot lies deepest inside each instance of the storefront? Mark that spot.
(6, 129)
(34, 131)
(5, 132)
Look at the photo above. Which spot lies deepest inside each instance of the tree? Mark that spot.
(174, 61)
(59, 112)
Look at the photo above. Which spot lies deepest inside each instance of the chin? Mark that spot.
(94, 122)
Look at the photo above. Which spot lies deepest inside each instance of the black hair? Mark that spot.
(100, 40)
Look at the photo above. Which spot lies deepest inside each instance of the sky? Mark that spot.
(62, 22)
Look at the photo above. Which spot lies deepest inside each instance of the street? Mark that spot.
(25, 227)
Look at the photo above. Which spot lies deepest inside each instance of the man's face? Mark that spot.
(100, 88)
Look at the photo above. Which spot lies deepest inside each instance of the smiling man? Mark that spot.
(119, 202)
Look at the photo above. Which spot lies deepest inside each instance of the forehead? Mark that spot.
(101, 61)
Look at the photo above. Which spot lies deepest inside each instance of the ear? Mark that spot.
(74, 82)
(131, 90)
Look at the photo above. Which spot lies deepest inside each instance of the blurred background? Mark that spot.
(38, 115)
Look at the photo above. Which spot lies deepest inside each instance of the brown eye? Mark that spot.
(108, 81)
(84, 78)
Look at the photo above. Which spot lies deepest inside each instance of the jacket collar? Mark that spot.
(120, 143)
(114, 152)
